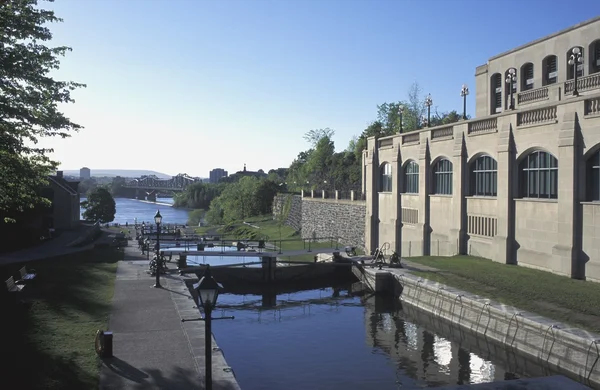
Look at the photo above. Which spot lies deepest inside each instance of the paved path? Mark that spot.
(152, 348)
(52, 248)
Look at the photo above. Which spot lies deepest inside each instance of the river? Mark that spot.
(130, 209)
(337, 341)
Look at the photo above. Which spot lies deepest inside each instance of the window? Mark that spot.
(527, 76)
(496, 95)
(442, 178)
(594, 176)
(411, 178)
(550, 66)
(484, 177)
(595, 56)
(570, 68)
(385, 178)
(539, 176)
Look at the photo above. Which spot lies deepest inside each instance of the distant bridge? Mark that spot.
(153, 183)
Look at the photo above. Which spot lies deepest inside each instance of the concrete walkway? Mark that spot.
(152, 348)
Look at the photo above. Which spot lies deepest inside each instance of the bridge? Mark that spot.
(147, 187)
(175, 183)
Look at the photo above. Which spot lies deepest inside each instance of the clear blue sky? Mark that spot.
(184, 86)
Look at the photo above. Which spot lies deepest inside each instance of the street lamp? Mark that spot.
(428, 103)
(400, 112)
(158, 220)
(464, 92)
(511, 78)
(575, 59)
(208, 291)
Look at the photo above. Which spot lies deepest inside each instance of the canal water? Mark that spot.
(331, 338)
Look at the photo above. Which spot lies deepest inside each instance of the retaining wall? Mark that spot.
(323, 218)
(569, 351)
(290, 204)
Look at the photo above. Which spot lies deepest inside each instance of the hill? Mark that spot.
(118, 172)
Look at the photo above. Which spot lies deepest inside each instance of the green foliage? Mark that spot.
(248, 197)
(198, 195)
(195, 216)
(29, 104)
(99, 206)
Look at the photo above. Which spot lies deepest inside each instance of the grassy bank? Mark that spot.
(264, 227)
(49, 342)
(567, 300)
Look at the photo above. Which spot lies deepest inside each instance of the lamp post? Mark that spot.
(208, 291)
(464, 92)
(400, 112)
(428, 103)
(575, 59)
(511, 78)
(158, 220)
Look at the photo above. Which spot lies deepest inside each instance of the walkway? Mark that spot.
(54, 247)
(152, 348)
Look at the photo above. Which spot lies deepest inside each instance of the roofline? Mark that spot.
(547, 37)
(65, 188)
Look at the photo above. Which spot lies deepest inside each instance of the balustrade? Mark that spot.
(411, 138)
(584, 83)
(445, 132)
(537, 116)
(532, 96)
(592, 106)
(386, 142)
(489, 125)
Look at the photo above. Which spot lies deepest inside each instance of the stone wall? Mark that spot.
(323, 218)
(292, 206)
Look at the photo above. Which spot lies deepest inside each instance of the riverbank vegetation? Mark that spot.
(50, 341)
(561, 298)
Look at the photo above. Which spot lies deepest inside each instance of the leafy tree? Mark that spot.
(198, 195)
(99, 206)
(29, 100)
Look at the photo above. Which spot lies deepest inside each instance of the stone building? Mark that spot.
(520, 183)
(64, 212)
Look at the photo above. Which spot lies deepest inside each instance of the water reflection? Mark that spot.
(425, 359)
(128, 210)
(317, 337)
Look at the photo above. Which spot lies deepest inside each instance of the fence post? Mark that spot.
(337, 195)
(352, 195)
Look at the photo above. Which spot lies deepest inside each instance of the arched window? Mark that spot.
(484, 177)
(527, 76)
(442, 178)
(496, 93)
(593, 181)
(594, 54)
(539, 176)
(550, 69)
(571, 68)
(411, 177)
(385, 177)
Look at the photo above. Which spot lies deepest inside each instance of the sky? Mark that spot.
(185, 86)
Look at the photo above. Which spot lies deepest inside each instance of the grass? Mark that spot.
(557, 297)
(51, 339)
(279, 235)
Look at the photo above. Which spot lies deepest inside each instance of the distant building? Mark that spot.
(216, 175)
(85, 173)
(64, 212)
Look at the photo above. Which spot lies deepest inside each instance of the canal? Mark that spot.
(332, 338)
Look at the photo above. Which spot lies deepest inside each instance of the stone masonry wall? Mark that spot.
(323, 218)
(290, 204)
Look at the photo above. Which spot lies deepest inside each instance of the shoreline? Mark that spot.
(159, 203)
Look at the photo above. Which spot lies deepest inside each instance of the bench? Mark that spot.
(13, 286)
(26, 275)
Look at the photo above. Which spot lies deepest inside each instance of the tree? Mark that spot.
(99, 206)
(29, 100)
